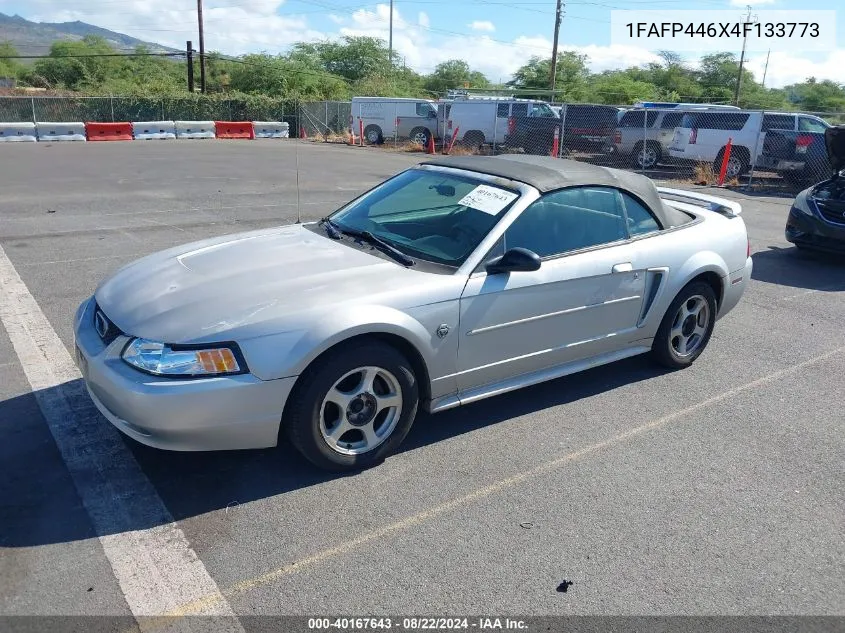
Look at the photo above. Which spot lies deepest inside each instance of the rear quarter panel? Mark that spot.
(711, 244)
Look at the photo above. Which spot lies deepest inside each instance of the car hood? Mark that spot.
(834, 140)
(231, 285)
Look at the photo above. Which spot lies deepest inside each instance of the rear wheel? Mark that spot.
(737, 163)
(421, 135)
(353, 407)
(686, 327)
(373, 134)
(473, 140)
(646, 155)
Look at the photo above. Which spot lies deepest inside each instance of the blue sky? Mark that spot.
(494, 36)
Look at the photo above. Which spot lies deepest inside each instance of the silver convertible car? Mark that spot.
(458, 279)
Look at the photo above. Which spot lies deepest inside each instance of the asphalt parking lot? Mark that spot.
(716, 490)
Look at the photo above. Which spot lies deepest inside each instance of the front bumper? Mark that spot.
(199, 414)
(807, 230)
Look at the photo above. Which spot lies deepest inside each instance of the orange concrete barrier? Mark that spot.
(108, 131)
(234, 129)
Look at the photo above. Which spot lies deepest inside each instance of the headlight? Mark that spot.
(182, 360)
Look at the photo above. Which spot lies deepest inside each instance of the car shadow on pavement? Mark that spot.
(39, 504)
(797, 268)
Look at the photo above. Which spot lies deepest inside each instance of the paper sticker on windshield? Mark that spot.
(488, 199)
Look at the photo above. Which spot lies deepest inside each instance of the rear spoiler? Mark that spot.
(722, 206)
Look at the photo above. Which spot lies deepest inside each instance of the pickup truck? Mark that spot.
(586, 127)
(533, 134)
(800, 157)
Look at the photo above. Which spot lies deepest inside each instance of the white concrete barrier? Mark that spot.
(153, 130)
(48, 131)
(271, 129)
(194, 129)
(10, 132)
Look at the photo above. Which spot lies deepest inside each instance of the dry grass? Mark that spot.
(462, 150)
(703, 174)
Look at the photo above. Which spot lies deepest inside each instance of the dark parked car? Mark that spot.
(589, 127)
(817, 217)
(800, 157)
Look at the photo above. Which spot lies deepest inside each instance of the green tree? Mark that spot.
(454, 73)
(619, 88)
(354, 57)
(571, 76)
(817, 96)
(9, 67)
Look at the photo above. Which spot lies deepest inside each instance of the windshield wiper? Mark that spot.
(331, 228)
(334, 231)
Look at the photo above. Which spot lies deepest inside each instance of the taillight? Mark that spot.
(748, 249)
(802, 143)
(693, 136)
(511, 125)
(617, 137)
(450, 124)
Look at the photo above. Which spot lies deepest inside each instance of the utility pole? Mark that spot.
(742, 58)
(766, 67)
(558, 16)
(390, 37)
(202, 47)
(190, 52)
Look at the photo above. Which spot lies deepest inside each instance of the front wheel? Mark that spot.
(686, 327)
(354, 407)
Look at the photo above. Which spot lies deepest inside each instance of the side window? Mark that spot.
(778, 122)
(423, 109)
(632, 118)
(671, 120)
(568, 220)
(806, 124)
(519, 109)
(640, 219)
(502, 110)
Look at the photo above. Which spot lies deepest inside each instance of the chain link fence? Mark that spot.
(687, 143)
(111, 109)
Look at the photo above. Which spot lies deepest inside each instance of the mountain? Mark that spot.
(35, 38)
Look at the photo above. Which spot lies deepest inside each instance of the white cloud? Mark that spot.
(256, 25)
(785, 69)
(753, 3)
(482, 25)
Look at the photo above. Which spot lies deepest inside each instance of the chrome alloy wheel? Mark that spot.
(689, 328)
(361, 410)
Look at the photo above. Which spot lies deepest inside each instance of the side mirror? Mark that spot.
(515, 260)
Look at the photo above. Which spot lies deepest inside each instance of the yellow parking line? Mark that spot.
(403, 524)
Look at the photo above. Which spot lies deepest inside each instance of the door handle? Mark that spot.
(623, 268)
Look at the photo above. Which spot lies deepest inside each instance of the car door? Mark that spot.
(583, 301)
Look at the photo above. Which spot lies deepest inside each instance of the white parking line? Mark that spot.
(154, 564)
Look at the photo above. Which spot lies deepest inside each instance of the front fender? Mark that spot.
(289, 353)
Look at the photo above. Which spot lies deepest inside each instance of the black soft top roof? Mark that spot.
(545, 174)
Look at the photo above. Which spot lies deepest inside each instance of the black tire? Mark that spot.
(663, 349)
(373, 135)
(421, 135)
(302, 416)
(739, 159)
(473, 140)
(642, 163)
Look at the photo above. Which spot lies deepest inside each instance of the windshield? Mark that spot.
(542, 109)
(430, 215)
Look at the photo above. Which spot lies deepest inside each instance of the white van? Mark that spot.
(702, 136)
(481, 120)
(394, 117)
